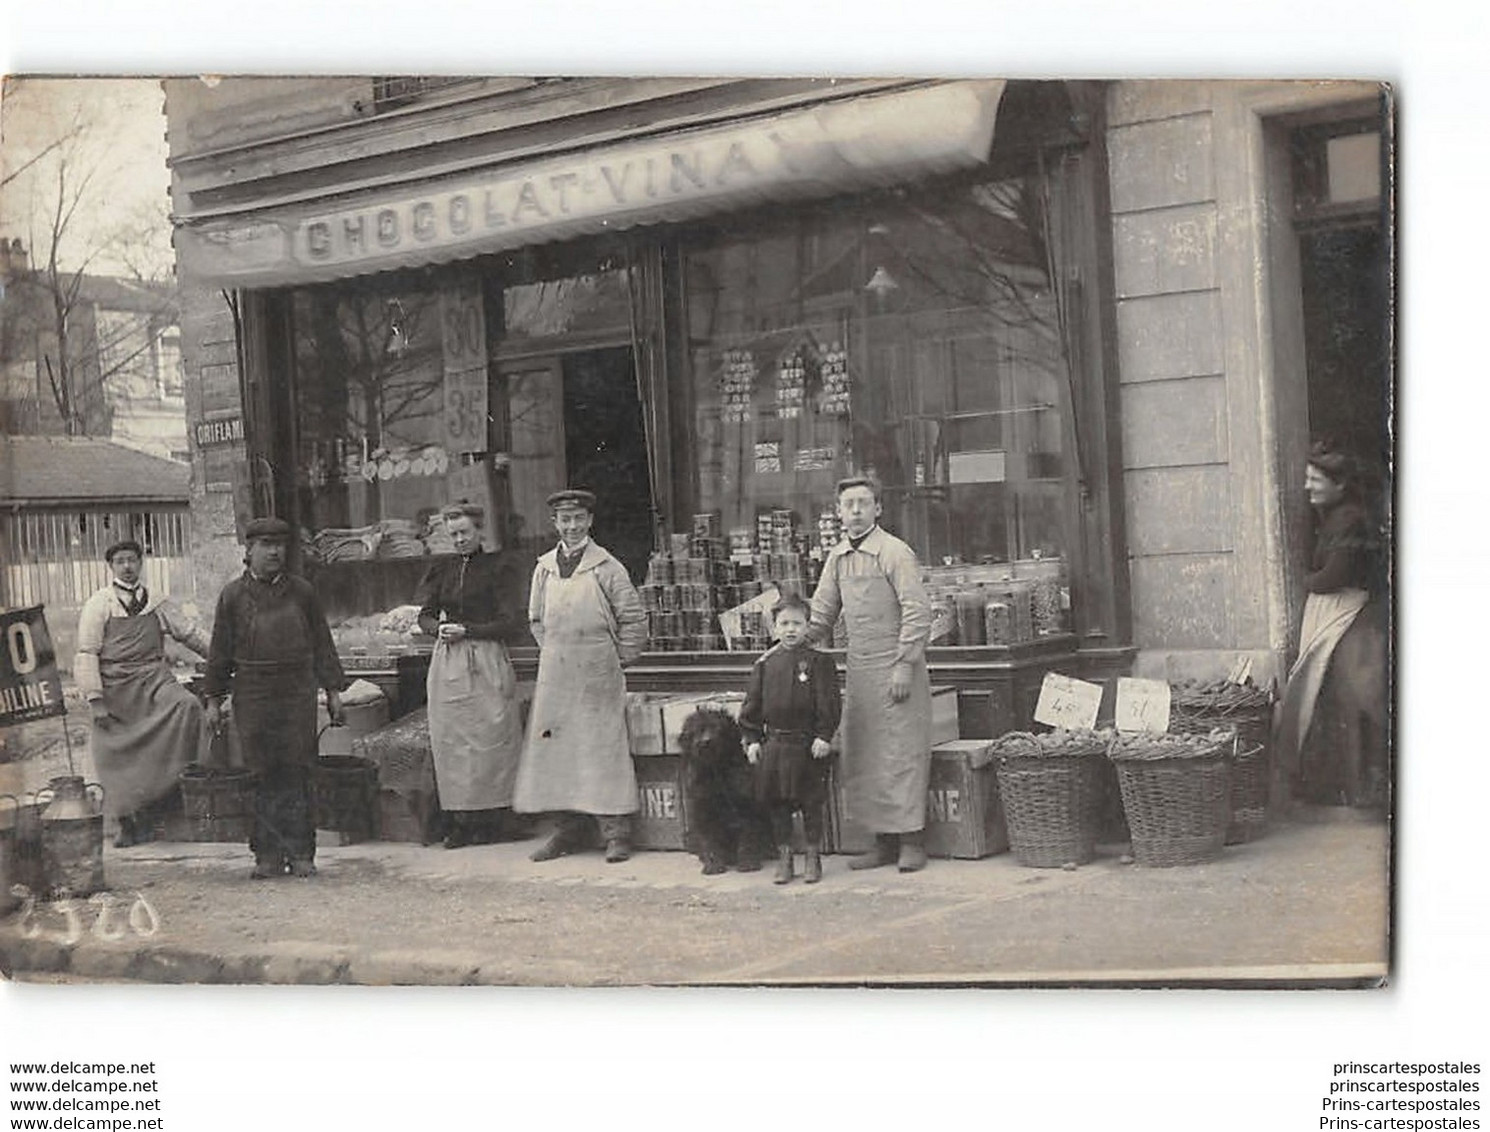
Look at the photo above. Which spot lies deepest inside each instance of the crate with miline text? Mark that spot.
(660, 821)
(963, 815)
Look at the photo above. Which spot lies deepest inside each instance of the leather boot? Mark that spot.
(812, 871)
(912, 852)
(784, 866)
(458, 836)
(883, 853)
(268, 865)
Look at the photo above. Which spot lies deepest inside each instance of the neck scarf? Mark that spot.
(133, 598)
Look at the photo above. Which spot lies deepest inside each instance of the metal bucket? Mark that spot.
(344, 790)
(218, 804)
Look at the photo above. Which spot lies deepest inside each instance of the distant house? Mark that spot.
(63, 500)
(124, 353)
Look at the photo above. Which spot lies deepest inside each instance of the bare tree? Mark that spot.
(55, 314)
(49, 313)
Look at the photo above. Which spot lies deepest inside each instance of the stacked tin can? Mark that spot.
(686, 587)
(736, 385)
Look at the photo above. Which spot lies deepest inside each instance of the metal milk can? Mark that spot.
(9, 839)
(72, 837)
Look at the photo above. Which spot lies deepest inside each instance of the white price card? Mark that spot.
(1142, 705)
(1068, 703)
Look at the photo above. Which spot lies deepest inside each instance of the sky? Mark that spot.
(122, 219)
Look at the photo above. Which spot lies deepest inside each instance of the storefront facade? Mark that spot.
(1024, 307)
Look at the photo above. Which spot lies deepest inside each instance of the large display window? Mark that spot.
(918, 340)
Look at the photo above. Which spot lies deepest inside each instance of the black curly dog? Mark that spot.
(726, 824)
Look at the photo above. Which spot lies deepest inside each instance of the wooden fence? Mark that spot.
(54, 556)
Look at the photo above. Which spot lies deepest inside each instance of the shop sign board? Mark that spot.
(218, 431)
(30, 687)
(839, 145)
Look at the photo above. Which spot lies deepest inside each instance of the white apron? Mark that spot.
(886, 746)
(577, 755)
(475, 729)
(1326, 618)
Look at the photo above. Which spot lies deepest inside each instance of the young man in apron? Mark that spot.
(146, 726)
(272, 648)
(588, 621)
(873, 579)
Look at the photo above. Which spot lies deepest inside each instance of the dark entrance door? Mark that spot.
(605, 450)
(1347, 342)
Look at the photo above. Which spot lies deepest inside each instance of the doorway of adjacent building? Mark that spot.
(1345, 283)
(575, 420)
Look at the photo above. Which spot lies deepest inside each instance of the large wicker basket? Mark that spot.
(1201, 709)
(1176, 794)
(1049, 790)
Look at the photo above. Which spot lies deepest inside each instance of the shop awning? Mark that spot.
(847, 145)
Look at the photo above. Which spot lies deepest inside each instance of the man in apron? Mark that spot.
(146, 726)
(872, 578)
(588, 621)
(272, 648)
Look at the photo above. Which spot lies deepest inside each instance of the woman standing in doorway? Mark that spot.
(475, 609)
(1331, 737)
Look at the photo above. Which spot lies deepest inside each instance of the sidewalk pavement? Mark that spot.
(1308, 904)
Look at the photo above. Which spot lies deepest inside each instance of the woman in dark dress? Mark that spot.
(1331, 738)
(475, 609)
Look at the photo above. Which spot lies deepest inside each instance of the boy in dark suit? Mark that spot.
(790, 714)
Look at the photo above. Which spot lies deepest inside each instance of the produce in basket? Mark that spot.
(1169, 745)
(1220, 695)
(1061, 742)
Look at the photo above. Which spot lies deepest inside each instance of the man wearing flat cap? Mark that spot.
(588, 621)
(271, 647)
(146, 726)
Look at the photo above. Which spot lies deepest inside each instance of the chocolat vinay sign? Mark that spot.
(29, 685)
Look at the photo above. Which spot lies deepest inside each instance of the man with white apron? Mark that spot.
(146, 726)
(873, 579)
(588, 621)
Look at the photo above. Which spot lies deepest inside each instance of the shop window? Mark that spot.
(374, 462)
(918, 341)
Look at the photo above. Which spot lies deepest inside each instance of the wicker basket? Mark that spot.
(1249, 711)
(1176, 794)
(1048, 788)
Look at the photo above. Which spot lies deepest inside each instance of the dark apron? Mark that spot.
(274, 704)
(155, 726)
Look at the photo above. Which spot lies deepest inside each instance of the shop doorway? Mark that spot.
(1339, 168)
(605, 449)
(575, 420)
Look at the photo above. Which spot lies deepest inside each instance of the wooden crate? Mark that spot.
(944, 727)
(675, 713)
(963, 815)
(644, 722)
(660, 821)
